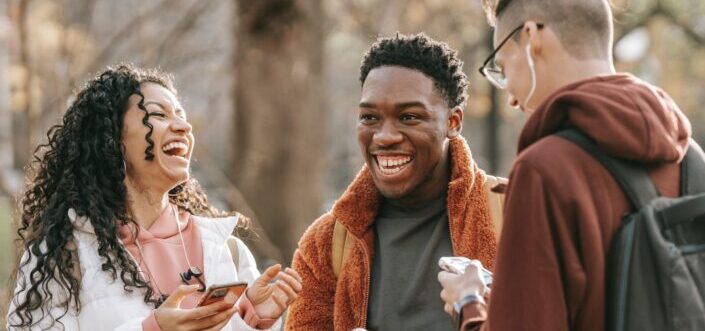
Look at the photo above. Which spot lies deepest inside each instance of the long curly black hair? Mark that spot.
(81, 167)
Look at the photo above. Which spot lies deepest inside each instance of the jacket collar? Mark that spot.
(357, 207)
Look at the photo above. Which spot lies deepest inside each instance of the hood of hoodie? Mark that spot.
(627, 118)
(165, 226)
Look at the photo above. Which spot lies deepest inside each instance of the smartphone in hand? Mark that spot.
(225, 292)
(457, 265)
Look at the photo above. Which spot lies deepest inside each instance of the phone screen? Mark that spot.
(227, 292)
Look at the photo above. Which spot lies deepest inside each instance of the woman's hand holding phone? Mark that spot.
(170, 316)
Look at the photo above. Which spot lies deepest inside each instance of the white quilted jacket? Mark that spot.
(104, 303)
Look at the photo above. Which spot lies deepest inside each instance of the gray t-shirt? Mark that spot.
(404, 288)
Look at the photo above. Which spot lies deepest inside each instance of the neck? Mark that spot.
(575, 70)
(145, 205)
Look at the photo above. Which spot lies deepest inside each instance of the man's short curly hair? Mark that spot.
(419, 52)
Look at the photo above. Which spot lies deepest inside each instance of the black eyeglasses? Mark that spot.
(490, 70)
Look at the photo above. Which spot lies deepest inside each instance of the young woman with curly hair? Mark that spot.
(114, 227)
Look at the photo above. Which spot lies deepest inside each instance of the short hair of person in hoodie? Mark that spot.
(584, 27)
(542, 45)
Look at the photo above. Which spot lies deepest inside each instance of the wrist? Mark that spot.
(467, 299)
(249, 314)
(151, 323)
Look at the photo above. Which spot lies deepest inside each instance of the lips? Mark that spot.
(390, 165)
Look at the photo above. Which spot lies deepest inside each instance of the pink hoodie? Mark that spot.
(164, 260)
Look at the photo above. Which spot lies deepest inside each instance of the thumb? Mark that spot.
(174, 300)
(269, 275)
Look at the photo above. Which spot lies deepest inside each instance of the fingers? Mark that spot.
(287, 291)
(209, 310)
(446, 297)
(174, 300)
(291, 272)
(213, 320)
(445, 278)
(449, 309)
(269, 274)
(280, 302)
(290, 280)
(473, 266)
(449, 297)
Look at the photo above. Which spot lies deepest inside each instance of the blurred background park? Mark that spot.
(271, 88)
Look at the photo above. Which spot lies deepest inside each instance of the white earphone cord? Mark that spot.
(183, 243)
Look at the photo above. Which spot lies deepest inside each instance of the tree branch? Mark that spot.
(185, 24)
(642, 21)
(263, 245)
(364, 26)
(687, 29)
(127, 30)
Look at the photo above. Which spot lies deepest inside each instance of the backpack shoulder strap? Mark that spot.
(495, 202)
(342, 243)
(693, 170)
(634, 180)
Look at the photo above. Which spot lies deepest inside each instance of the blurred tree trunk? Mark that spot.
(279, 114)
(7, 159)
(23, 119)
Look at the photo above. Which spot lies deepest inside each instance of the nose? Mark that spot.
(388, 135)
(181, 125)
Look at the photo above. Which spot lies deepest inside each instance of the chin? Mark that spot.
(179, 178)
(393, 192)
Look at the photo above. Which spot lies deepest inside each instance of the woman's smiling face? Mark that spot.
(171, 136)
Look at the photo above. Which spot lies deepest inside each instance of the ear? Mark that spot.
(532, 31)
(455, 122)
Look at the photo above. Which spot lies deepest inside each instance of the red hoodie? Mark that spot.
(563, 207)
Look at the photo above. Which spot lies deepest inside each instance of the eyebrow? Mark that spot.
(366, 105)
(410, 104)
(401, 105)
(177, 110)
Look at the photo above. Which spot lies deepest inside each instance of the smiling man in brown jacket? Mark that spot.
(563, 207)
(419, 197)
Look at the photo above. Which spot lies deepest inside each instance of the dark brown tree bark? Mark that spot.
(279, 119)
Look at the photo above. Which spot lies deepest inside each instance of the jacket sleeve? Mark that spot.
(53, 314)
(528, 292)
(313, 310)
(52, 308)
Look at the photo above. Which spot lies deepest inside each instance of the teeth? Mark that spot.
(390, 165)
(182, 148)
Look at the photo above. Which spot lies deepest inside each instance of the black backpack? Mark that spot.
(656, 264)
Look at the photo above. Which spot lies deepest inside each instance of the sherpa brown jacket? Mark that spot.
(329, 304)
(563, 206)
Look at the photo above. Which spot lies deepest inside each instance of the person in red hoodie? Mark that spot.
(554, 57)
